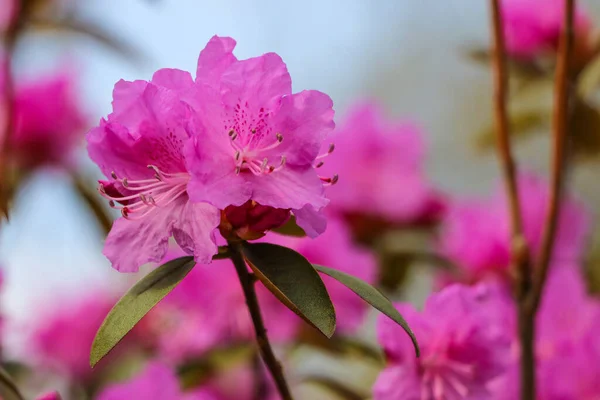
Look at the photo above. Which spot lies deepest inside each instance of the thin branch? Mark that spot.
(521, 260)
(563, 91)
(502, 122)
(247, 282)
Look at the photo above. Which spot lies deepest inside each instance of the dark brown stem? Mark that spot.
(563, 90)
(247, 282)
(520, 255)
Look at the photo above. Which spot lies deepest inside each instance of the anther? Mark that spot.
(238, 169)
(124, 182)
(253, 130)
(114, 175)
(237, 155)
(331, 148)
(264, 164)
(320, 164)
(335, 179)
(279, 137)
(283, 160)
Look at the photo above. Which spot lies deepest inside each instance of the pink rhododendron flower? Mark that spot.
(335, 249)
(254, 139)
(567, 345)
(462, 347)
(383, 161)
(475, 233)
(533, 26)
(63, 334)
(208, 309)
(155, 382)
(140, 148)
(48, 121)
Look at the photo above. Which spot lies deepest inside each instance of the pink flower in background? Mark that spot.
(50, 396)
(335, 249)
(463, 347)
(48, 121)
(140, 149)
(254, 139)
(208, 309)
(533, 26)
(62, 335)
(567, 343)
(475, 233)
(383, 164)
(155, 382)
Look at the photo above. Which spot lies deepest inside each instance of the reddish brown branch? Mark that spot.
(520, 256)
(562, 94)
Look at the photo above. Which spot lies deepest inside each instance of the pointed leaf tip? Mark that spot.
(136, 303)
(294, 281)
(372, 296)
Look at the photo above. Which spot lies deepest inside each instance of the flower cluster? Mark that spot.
(179, 153)
(475, 233)
(384, 183)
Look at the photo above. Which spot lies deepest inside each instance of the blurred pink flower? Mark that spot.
(62, 335)
(48, 121)
(335, 249)
(567, 343)
(140, 148)
(155, 382)
(533, 26)
(383, 164)
(208, 310)
(50, 396)
(475, 233)
(254, 139)
(463, 347)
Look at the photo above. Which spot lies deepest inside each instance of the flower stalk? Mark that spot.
(247, 281)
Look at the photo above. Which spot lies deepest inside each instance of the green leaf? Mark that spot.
(136, 303)
(294, 281)
(8, 388)
(290, 228)
(372, 296)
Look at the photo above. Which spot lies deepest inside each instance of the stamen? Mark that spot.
(320, 164)
(329, 151)
(330, 181)
(160, 191)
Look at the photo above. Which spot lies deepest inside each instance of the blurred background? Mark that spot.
(418, 59)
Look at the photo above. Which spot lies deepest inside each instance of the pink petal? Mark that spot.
(212, 168)
(132, 243)
(313, 222)
(288, 188)
(172, 78)
(304, 119)
(194, 230)
(260, 81)
(216, 57)
(398, 383)
(126, 94)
